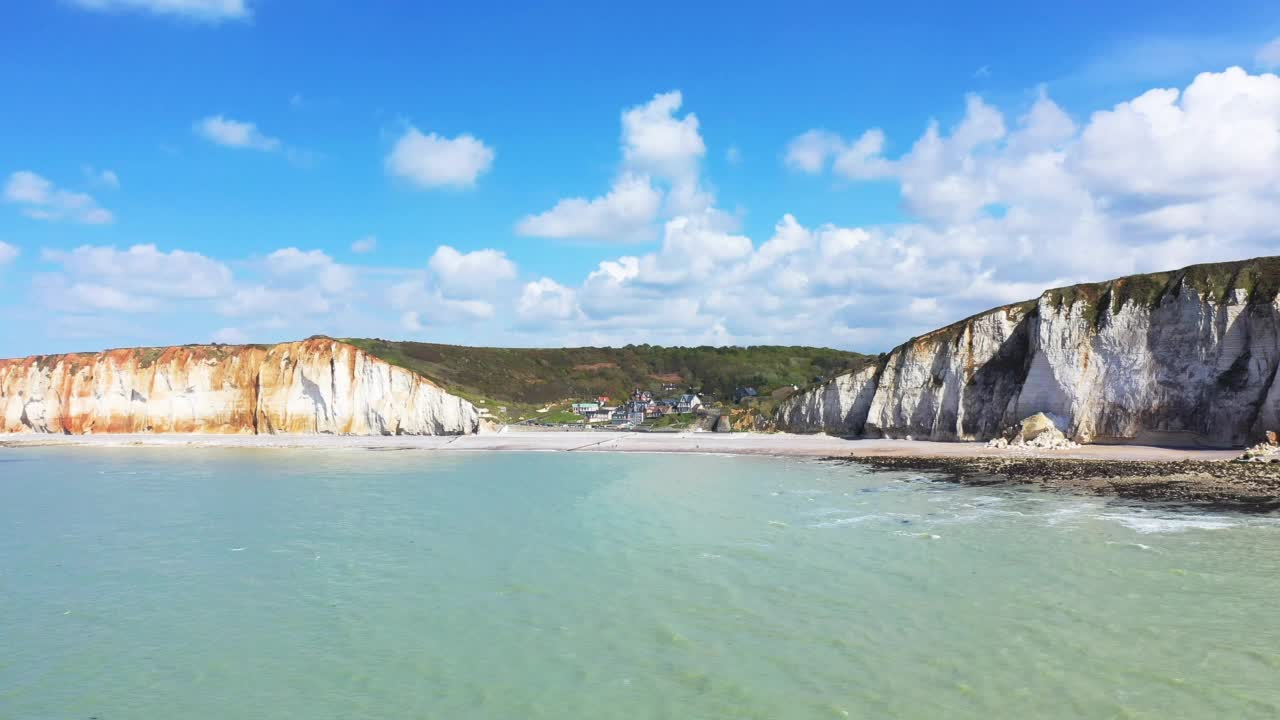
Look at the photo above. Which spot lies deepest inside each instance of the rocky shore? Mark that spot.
(1202, 484)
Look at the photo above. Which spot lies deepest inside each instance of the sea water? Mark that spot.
(216, 583)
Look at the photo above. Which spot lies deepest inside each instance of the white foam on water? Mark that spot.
(929, 536)
(239, 549)
(1138, 545)
(845, 521)
(1148, 525)
(1067, 514)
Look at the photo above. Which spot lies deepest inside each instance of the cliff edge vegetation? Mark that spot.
(524, 380)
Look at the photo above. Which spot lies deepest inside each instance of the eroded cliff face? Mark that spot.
(313, 386)
(838, 406)
(1182, 364)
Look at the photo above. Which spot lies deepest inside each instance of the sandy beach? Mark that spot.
(780, 444)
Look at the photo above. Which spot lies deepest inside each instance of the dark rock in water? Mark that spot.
(1244, 487)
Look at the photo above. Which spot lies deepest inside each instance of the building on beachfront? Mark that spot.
(585, 408)
(625, 415)
(688, 403)
(600, 415)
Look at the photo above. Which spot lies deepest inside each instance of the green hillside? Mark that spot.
(524, 379)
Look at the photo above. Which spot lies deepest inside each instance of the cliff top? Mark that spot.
(1258, 277)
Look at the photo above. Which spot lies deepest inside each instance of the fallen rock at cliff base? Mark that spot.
(1039, 432)
(1266, 451)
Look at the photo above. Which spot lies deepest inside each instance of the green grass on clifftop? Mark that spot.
(1259, 278)
(524, 378)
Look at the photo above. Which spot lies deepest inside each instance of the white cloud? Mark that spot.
(8, 253)
(545, 300)
(860, 159)
(1002, 208)
(144, 270)
(659, 177)
(314, 266)
(625, 214)
(1000, 205)
(366, 244)
(140, 279)
(421, 305)
(654, 140)
(203, 10)
(431, 161)
(225, 131)
(470, 275)
(457, 288)
(1221, 135)
(1268, 56)
(41, 200)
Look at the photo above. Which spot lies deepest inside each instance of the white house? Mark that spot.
(688, 403)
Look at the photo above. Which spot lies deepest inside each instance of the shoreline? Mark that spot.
(768, 444)
(1198, 478)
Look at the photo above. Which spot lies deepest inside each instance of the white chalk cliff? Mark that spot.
(1185, 357)
(318, 385)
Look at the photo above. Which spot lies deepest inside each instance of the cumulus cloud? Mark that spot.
(40, 199)
(202, 10)
(654, 140)
(366, 244)
(432, 161)
(860, 159)
(228, 132)
(470, 275)
(145, 270)
(314, 266)
(546, 301)
(625, 214)
(139, 279)
(660, 176)
(456, 288)
(1002, 206)
(999, 205)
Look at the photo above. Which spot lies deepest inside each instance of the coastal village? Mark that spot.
(638, 408)
(666, 407)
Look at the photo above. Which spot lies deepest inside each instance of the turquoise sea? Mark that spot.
(140, 584)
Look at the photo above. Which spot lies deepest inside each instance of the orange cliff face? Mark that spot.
(313, 386)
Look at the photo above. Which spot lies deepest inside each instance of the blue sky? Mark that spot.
(194, 170)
